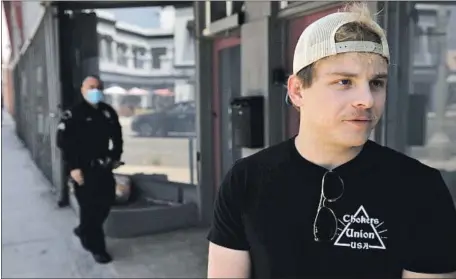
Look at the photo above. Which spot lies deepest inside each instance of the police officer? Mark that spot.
(90, 137)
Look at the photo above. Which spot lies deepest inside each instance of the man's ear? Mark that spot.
(294, 87)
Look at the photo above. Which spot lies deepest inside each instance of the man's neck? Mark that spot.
(323, 153)
(95, 106)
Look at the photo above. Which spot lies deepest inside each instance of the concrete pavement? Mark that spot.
(37, 240)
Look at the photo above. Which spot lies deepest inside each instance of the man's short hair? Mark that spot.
(97, 77)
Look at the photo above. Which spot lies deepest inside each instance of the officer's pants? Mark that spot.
(64, 194)
(95, 198)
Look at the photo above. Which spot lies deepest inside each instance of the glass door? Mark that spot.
(229, 88)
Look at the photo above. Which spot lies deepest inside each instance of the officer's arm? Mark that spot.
(67, 139)
(116, 136)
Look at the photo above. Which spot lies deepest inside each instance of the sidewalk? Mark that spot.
(37, 240)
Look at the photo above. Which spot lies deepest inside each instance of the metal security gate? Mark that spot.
(51, 23)
(37, 97)
(38, 81)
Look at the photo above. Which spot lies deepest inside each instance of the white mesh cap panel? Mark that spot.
(317, 41)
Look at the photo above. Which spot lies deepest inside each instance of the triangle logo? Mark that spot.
(361, 231)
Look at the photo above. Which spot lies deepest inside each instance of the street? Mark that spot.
(37, 239)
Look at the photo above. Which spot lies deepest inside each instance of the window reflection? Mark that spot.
(434, 77)
(150, 82)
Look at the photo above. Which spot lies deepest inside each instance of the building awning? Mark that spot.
(115, 90)
(82, 5)
(451, 78)
(164, 92)
(138, 91)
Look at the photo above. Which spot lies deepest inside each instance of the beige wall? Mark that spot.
(8, 90)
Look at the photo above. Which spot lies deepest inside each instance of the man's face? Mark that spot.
(88, 84)
(346, 98)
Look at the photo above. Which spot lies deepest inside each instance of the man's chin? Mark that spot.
(354, 140)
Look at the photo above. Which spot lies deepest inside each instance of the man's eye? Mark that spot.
(344, 82)
(378, 83)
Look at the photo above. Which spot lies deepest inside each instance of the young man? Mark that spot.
(329, 202)
(84, 135)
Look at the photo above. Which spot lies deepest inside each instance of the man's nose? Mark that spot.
(363, 97)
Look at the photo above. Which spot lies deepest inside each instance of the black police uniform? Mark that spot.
(91, 139)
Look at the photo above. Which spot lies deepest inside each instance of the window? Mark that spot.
(418, 40)
(138, 56)
(433, 43)
(431, 129)
(105, 47)
(157, 53)
(420, 48)
(122, 55)
(189, 51)
(101, 44)
(109, 54)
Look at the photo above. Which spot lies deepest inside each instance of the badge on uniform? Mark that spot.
(61, 126)
(107, 114)
(67, 114)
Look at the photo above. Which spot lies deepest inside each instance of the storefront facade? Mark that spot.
(267, 33)
(245, 49)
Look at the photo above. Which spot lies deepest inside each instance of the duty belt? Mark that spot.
(101, 162)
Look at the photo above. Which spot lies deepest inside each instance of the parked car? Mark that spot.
(176, 120)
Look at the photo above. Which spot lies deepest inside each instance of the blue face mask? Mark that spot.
(94, 96)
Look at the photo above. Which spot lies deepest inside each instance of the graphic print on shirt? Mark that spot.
(361, 231)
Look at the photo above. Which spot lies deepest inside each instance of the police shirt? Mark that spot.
(86, 133)
(395, 213)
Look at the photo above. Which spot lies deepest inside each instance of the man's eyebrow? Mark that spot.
(380, 76)
(345, 74)
(348, 74)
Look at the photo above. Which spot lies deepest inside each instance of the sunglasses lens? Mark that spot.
(325, 226)
(333, 186)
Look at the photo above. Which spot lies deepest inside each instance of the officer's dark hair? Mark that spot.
(97, 77)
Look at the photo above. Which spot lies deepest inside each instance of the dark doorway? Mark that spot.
(78, 53)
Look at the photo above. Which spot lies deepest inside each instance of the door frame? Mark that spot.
(54, 100)
(219, 45)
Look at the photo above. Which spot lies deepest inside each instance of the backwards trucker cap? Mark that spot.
(317, 41)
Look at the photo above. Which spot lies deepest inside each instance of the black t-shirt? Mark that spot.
(268, 201)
